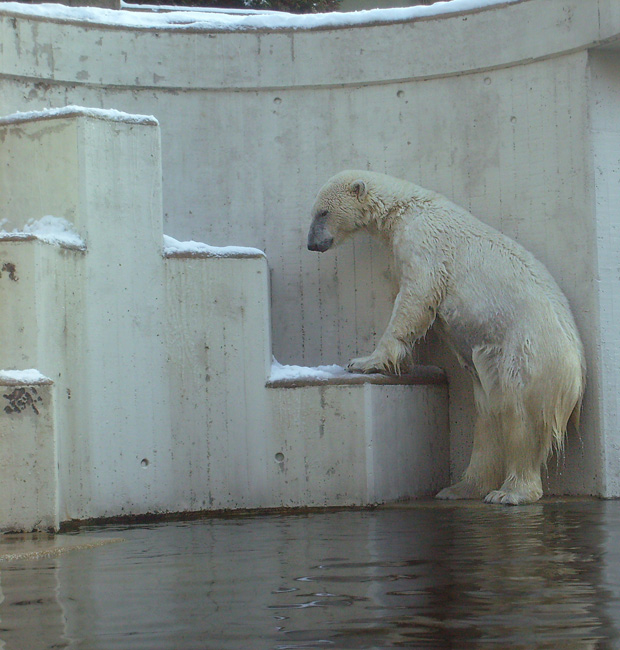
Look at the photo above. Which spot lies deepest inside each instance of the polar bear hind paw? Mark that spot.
(511, 497)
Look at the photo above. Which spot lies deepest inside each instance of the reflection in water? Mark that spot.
(421, 576)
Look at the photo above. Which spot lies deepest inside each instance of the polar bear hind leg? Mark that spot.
(525, 451)
(486, 466)
(505, 462)
(533, 423)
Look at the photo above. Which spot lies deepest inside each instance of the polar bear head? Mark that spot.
(340, 208)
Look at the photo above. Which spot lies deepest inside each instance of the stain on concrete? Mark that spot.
(22, 398)
(11, 269)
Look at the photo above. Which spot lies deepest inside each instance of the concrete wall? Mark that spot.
(496, 108)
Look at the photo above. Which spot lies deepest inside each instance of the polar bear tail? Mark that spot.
(575, 416)
(562, 403)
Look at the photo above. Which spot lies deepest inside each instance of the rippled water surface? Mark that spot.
(420, 576)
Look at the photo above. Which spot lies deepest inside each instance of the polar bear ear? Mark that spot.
(359, 188)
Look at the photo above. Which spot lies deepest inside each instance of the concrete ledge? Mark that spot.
(417, 376)
(24, 237)
(235, 255)
(174, 249)
(242, 50)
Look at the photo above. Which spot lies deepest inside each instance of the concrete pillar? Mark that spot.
(94, 320)
(604, 378)
(219, 341)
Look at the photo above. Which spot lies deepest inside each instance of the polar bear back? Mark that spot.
(497, 295)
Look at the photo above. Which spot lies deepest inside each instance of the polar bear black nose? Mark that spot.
(320, 246)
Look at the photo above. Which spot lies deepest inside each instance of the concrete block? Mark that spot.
(409, 439)
(318, 446)
(359, 440)
(28, 462)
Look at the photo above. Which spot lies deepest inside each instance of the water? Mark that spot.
(422, 576)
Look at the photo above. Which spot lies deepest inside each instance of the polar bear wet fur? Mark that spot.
(499, 309)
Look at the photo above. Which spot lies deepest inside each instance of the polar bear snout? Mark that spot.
(320, 246)
(319, 237)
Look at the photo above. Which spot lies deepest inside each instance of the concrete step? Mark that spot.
(360, 439)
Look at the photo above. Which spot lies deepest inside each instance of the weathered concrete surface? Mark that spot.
(604, 109)
(497, 108)
(219, 340)
(34, 546)
(97, 316)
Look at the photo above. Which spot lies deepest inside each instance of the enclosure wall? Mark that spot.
(490, 107)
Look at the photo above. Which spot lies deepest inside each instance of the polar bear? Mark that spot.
(499, 309)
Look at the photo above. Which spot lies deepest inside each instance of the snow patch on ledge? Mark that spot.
(283, 376)
(281, 372)
(30, 376)
(110, 115)
(50, 230)
(175, 248)
(132, 6)
(217, 21)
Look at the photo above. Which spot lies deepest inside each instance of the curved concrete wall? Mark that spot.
(492, 107)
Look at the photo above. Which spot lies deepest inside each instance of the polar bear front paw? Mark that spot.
(367, 365)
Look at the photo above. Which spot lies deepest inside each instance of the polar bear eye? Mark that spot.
(323, 214)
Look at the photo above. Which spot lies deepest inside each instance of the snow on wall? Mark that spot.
(173, 247)
(28, 376)
(111, 115)
(215, 21)
(48, 229)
